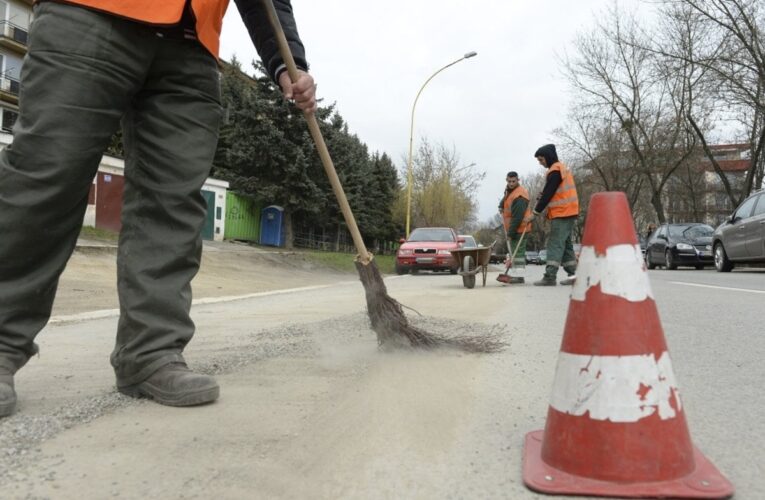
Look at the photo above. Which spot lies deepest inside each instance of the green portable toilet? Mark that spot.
(242, 218)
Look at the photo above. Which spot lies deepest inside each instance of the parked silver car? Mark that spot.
(741, 238)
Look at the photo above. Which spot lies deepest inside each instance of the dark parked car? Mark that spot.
(741, 239)
(498, 252)
(673, 245)
(428, 248)
(532, 257)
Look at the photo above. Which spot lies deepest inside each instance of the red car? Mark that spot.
(428, 248)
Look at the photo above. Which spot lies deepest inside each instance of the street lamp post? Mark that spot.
(411, 138)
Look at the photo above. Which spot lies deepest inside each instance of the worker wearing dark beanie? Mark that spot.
(560, 198)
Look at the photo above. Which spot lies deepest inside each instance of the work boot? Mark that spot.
(175, 385)
(7, 393)
(545, 281)
(569, 280)
(517, 280)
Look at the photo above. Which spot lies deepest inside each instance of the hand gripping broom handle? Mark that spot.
(313, 125)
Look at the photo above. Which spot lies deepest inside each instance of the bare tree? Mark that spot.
(598, 149)
(723, 42)
(444, 189)
(617, 76)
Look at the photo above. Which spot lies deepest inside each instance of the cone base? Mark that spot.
(704, 482)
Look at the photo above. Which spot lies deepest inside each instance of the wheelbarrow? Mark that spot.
(472, 261)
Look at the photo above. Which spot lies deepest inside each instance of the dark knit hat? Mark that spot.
(548, 153)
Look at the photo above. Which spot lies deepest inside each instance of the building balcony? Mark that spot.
(9, 89)
(14, 37)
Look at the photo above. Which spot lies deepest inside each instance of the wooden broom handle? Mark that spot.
(313, 125)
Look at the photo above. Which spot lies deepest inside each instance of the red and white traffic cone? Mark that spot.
(615, 425)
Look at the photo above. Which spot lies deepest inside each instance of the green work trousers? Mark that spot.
(560, 249)
(86, 72)
(517, 247)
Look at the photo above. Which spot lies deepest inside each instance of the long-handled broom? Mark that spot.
(504, 277)
(386, 315)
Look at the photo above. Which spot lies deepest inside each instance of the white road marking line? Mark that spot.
(620, 272)
(616, 388)
(748, 290)
(110, 313)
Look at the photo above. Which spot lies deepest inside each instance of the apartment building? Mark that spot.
(15, 16)
(698, 195)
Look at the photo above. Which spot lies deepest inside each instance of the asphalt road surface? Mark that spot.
(310, 408)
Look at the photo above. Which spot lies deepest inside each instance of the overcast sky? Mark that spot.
(496, 109)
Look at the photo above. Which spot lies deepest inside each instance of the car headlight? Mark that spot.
(444, 252)
(684, 246)
(406, 252)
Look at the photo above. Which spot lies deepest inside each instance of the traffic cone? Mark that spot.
(615, 424)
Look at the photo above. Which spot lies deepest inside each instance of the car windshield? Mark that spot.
(431, 234)
(691, 232)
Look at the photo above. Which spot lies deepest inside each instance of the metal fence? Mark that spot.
(338, 241)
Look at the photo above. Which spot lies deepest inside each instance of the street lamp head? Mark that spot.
(470, 54)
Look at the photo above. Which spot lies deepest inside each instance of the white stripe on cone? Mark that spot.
(615, 388)
(619, 272)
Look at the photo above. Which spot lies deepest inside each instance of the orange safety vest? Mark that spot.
(565, 201)
(518, 192)
(208, 13)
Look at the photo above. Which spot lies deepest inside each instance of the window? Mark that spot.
(9, 119)
(760, 208)
(745, 209)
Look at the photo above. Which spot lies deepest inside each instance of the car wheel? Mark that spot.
(722, 263)
(648, 263)
(669, 261)
(401, 270)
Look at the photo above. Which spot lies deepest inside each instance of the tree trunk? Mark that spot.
(658, 208)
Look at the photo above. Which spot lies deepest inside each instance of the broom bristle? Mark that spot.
(393, 329)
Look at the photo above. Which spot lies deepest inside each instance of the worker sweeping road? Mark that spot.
(516, 219)
(153, 66)
(560, 198)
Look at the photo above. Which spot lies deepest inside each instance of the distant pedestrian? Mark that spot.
(560, 198)
(153, 66)
(516, 219)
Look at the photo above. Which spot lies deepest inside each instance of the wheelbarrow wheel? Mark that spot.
(468, 265)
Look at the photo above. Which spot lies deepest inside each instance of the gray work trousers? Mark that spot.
(560, 249)
(84, 73)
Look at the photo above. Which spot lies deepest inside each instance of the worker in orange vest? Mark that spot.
(560, 198)
(153, 67)
(516, 219)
